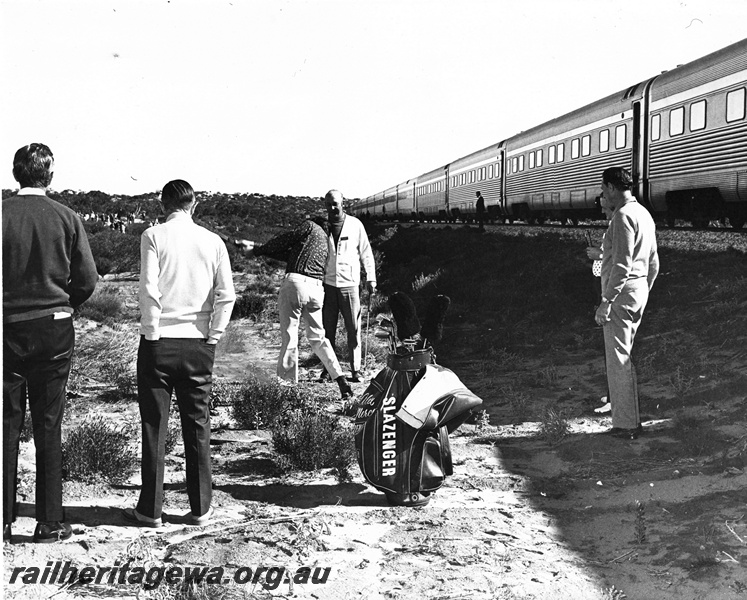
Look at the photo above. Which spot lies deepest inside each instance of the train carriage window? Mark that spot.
(586, 145)
(514, 165)
(561, 152)
(677, 121)
(490, 171)
(604, 140)
(539, 157)
(655, 127)
(621, 136)
(472, 177)
(698, 115)
(531, 160)
(497, 170)
(735, 105)
(551, 155)
(521, 163)
(574, 148)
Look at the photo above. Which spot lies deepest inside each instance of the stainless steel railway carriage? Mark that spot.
(682, 134)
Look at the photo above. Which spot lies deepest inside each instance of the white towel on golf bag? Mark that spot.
(436, 383)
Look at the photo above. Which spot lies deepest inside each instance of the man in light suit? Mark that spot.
(630, 264)
(348, 247)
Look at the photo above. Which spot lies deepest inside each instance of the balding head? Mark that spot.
(333, 202)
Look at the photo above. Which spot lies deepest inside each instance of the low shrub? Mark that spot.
(223, 393)
(108, 359)
(232, 340)
(554, 426)
(259, 403)
(249, 304)
(309, 438)
(97, 449)
(114, 251)
(104, 306)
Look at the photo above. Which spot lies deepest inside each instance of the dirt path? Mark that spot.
(519, 518)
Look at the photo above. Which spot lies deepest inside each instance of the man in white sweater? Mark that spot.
(186, 299)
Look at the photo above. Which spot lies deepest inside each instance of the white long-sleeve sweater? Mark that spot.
(186, 288)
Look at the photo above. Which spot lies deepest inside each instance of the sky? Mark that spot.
(295, 97)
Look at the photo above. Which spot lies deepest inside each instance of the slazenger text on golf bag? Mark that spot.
(404, 417)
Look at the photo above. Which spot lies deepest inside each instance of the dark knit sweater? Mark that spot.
(47, 262)
(304, 249)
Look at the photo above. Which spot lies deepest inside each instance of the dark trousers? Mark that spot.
(36, 364)
(183, 365)
(346, 301)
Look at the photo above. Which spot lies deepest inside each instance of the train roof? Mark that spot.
(596, 111)
(431, 175)
(727, 61)
(480, 155)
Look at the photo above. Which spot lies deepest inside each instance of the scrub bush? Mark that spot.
(259, 403)
(96, 450)
(309, 439)
(114, 251)
(105, 305)
(249, 304)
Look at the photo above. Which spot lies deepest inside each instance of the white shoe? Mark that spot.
(133, 516)
(203, 519)
(603, 409)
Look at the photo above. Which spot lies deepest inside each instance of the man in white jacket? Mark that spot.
(348, 247)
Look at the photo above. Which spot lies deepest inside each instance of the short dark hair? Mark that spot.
(618, 178)
(177, 195)
(32, 166)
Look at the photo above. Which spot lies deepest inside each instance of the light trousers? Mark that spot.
(302, 296)
(619, 335)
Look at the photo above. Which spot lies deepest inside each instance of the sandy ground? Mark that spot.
(591, 517)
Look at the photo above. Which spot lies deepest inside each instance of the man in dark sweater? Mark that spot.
(48, 271)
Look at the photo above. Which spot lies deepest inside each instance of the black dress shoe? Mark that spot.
(48, 532)
(354, 377)
(6, 532)
(625, 434)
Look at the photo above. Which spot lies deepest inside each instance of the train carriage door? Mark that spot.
(502, 192)
(637, 166)
(447, 188)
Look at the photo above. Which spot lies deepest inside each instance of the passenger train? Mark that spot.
(682, 134)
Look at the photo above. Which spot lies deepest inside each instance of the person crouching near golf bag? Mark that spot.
(404, 417)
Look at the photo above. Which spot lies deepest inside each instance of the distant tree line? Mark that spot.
(114, 222)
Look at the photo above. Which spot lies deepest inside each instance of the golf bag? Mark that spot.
(403, 423)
